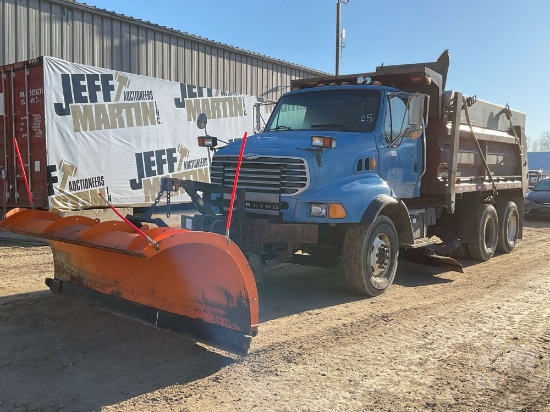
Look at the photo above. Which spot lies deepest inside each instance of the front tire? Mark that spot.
(484, 247)
(370, 255)
(508, 226)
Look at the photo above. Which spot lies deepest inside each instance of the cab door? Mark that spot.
(400, 156)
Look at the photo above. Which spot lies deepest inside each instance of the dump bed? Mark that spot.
(455, 162)
(485, 154)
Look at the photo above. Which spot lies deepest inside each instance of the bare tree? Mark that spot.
(532, 144)
(544, 142)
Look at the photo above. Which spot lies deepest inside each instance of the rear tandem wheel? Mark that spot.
(487, 236)
(461, 251)
(508, 226)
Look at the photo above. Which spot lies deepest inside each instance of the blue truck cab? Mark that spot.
(350, 145)
(353, 169)
(348, 136)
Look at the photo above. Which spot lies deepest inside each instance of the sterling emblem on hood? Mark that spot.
(251, 156)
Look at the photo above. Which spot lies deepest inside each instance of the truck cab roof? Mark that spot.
(408, 78)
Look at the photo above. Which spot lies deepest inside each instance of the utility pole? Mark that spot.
(339, 36)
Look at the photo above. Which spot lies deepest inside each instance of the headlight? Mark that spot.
(335, 210)
(326, 142)
(319, 209)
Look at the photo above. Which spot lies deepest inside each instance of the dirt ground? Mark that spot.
(436, 341)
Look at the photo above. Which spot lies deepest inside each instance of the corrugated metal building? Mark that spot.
(88, 35)
(539, 161)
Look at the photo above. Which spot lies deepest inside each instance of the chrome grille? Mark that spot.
(274, 175)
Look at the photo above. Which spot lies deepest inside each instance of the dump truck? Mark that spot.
(360, 169)
(533, 177)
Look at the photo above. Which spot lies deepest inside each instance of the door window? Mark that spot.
(396, 117)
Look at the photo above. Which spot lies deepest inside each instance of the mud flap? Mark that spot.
(420, 256)
(195, 283)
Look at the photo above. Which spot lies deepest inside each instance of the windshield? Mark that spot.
(543, 185)
(345, 110)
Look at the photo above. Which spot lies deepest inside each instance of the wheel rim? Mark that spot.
(512, 228)
(379, 260)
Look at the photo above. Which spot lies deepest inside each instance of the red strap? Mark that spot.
(23, 171)
(137, 229)
(228, 224)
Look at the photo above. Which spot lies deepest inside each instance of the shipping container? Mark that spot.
(70, 131)
(22, 125)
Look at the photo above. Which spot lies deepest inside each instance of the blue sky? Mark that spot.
(500, 49)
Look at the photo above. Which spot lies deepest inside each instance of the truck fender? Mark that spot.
(396, 210)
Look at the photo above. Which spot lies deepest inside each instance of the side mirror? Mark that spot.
(201, 121)
(257, 110)
(413, 131)
(416, 109)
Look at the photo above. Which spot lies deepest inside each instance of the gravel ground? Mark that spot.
(436, 341)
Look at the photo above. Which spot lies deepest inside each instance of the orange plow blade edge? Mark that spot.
(194, 283)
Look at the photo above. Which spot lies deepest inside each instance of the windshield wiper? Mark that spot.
(279, 128)
(331, 125)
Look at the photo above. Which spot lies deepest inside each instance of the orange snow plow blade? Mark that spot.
(194, 283)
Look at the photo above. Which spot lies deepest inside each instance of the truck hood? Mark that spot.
(337, 162)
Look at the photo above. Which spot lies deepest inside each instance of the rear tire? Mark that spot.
(487, 236)
(461, 252)
(508, 226)
(369, 256)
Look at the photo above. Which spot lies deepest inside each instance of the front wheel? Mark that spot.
(370, 255)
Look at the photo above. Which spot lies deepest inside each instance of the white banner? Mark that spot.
(117, 133)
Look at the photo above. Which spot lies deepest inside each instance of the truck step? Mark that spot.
(422, 242)
(418, 222)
